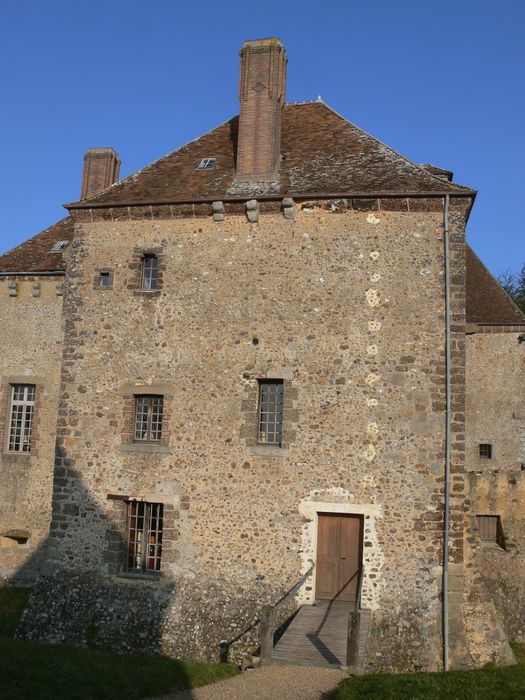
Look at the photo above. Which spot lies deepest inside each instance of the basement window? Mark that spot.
(59, 247)
(207, 164)
(485, 450)
(490, 529)
(144, 535)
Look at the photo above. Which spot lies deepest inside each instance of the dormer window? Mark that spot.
(207, 164)
(59, 247)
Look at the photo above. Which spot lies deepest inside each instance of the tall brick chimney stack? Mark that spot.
(262, 89)
(101, 169)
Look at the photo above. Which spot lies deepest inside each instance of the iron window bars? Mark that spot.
(22, 413)
(148, 418)
(150, 272)
(485, 450)
(144, 530)
(271, 395)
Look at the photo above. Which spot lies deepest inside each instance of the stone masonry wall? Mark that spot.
(30, 352)
(496, 414)
(348, 309)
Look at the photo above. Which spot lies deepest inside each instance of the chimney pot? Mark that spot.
(262, 88)
(101, 169)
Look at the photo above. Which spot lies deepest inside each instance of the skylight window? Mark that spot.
(207, 164)
(59, 247)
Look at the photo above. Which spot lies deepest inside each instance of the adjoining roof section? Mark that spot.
(35, 255)
(322, 154)
(487, 302)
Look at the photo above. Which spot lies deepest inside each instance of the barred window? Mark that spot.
(485, 450)
(148, 418)
(150, 272)
(271, 394)
(144, 536)
(22, 413)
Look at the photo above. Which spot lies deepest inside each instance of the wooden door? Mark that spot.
(339, 540)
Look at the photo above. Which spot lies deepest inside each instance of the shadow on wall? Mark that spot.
(96, 607)
(85, 598)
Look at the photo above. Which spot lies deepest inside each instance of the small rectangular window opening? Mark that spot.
(144, 534)
(150, 272)
(105, 280)
(21, 418)
(490, 529)
(148, 418)
(485, 450)
(206, 164)
(271, 395)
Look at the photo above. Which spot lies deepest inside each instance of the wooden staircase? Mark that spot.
(318, 636)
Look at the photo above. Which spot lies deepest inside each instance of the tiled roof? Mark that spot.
(35, 254)
(322, 153)
(487, 302)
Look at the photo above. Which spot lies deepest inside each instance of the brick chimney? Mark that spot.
(101, 169)
(262, 89)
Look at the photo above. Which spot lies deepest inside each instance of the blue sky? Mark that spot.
(441, 82)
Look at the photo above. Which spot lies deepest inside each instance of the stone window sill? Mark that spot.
(268, 451)
(159, 580)
(16, 458)
(146, 448)
(147, 292)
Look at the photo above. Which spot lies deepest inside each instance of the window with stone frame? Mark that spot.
(149, 411)
(144, 537)
(270, 412)
(21, 416)
(149, 272)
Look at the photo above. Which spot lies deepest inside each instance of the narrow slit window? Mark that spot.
(150, 272)
(145, 523)
(271, 400)
(148, 418)
(485, 450)
(21, 418)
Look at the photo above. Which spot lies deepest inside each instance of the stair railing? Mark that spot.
(268, 616)
(354, 623)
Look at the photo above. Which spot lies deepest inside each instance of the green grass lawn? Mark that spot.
(37, 672)
(488, 683)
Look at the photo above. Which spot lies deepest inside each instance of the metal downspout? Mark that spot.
(446, 524)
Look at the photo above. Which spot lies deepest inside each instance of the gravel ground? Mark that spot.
(269, 683)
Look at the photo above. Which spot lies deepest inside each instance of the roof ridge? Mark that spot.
(28, 240)
(148, 166)
(451, 185)
(495, 279)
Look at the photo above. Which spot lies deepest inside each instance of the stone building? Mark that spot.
(243, 347)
